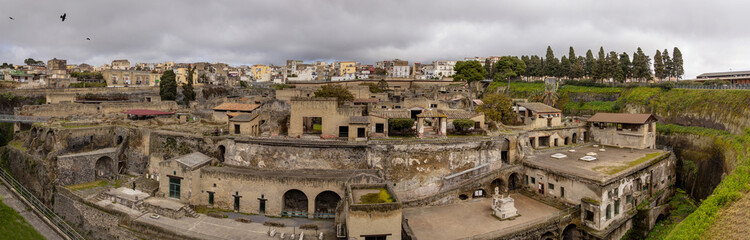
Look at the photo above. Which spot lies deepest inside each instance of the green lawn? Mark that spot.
(13, 226)
(680, 206)
(613, 170)
(381, 197)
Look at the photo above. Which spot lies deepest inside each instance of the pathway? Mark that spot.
(13, 202)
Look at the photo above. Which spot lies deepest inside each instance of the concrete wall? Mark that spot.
(77, 109)
(364, 223)
(640, 139)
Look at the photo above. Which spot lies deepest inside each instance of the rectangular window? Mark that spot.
(527, 180)
(174, 187)
(397, 107)
(551, 186)
(533, 180)
(236, 129)
(433, 105)
(343, 131)
(360, 132)
(562, 192)
(379, 128)
(210, 198)
(628, 199)
(375, 237)
(617, 207)
(589, 215)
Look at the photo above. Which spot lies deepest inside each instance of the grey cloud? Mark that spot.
(711, 35)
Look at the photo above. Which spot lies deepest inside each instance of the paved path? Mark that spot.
(472, 217)
(15, 203)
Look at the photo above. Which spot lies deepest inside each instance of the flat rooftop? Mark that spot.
(474, 217)
(610, 164)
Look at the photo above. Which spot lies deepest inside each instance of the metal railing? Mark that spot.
(715, 87)
(22, 119)
(50, 216)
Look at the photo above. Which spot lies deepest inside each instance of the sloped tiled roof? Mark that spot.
(244, 117)
(391, 113)
(539, 107)
(622, 118)
(242, 107)
(459, 114)
(366, 100)
(359, 120)
(432, 114)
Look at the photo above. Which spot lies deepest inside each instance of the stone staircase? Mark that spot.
(190, 212)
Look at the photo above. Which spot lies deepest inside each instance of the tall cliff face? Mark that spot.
(717, 109)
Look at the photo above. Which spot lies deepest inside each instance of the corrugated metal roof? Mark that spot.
(539, 107)
(237, 107)
(628, 118)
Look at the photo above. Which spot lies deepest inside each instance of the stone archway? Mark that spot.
(499, 184)
(294, 204)
(222, 150)
(548, 236)
(103, 167)
(513, 181)
(325, 204)
(571, 233)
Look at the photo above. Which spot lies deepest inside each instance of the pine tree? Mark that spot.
(668, 65)
(551, 64)
(187, 89)
(168, 86)
(625, 66)
(612, 65)
(538, 65)
(677, 61)
(659, 72)
(571, 55)
(589, 64)
(564, 67)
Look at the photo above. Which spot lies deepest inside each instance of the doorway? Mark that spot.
(237, 201)
(262, 208)
(541, 188)
(360, 132)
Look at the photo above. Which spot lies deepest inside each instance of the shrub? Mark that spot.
(273, 224)
(309, 226)
(400, 123)
(341, 93)
(463, 124)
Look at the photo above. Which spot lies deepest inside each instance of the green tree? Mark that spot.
(188, 92)
(571, 55)
(551, 64)
(600, 65)
(641, 65)
(168, 86)
(668, 64)
(332, 90)
(470, 72)
(677, 61)
(625, 67)
(612, 66)
(497, 107)
(589, 64)
(380, 72)
(463, 124)
(31, 61)
(488, 66)
(659, 69)
(577, 68)
(564, 67)
(508, 67)
(6, 65)
(382, 85)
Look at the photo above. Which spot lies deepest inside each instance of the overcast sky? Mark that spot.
(712, 35)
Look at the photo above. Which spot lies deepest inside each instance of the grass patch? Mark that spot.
(14, 226)
(83, 186)
(18, 145)
(317, 127)
(680, 206)
(77, 126)
(381, 197)
(593, 107)
(610, 170)
(583, 89)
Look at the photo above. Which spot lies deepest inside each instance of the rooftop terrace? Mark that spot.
(609, 164)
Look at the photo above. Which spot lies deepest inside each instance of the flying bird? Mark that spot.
(11, 18)
(63, 16)
(89, 39)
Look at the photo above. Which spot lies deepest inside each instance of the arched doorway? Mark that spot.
(571, 233)
(567, 141)
(119, 140)
(513, 181)
(295, 204)
(575, 138)
(103, 167)
(222, 151)
(463, 197)
(548, 236)
(499, 184)
(325, 204)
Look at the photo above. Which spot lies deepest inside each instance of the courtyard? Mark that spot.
(473, 217)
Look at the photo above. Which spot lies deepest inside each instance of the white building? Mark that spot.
(444, 68)
(401, 71)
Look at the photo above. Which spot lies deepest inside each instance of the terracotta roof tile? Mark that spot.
(622, 118)
(243, 107)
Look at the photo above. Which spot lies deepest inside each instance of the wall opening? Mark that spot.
(119, 140)
(513, 181)
(222, 151)
(499, 184)
(103, 167)
(312, 125)
(325, 204)
(575, 138)
(479, 193)
(544, 141)
(571, 233)
(295, 204)
(463, 197)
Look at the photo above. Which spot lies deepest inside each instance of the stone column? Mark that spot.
(443, 126)
(310, 207)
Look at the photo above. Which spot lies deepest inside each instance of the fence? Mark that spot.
(716, 87)
(46, 213)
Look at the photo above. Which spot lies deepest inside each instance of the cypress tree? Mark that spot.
(659, 72)
(551, 64)
(600, 65)
(668, 65)
(576, 69)
(677, 61)
(625, 66)
(588, 64)
(564, 67)
(168, 86)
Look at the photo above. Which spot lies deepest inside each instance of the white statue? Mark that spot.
(503, 207)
